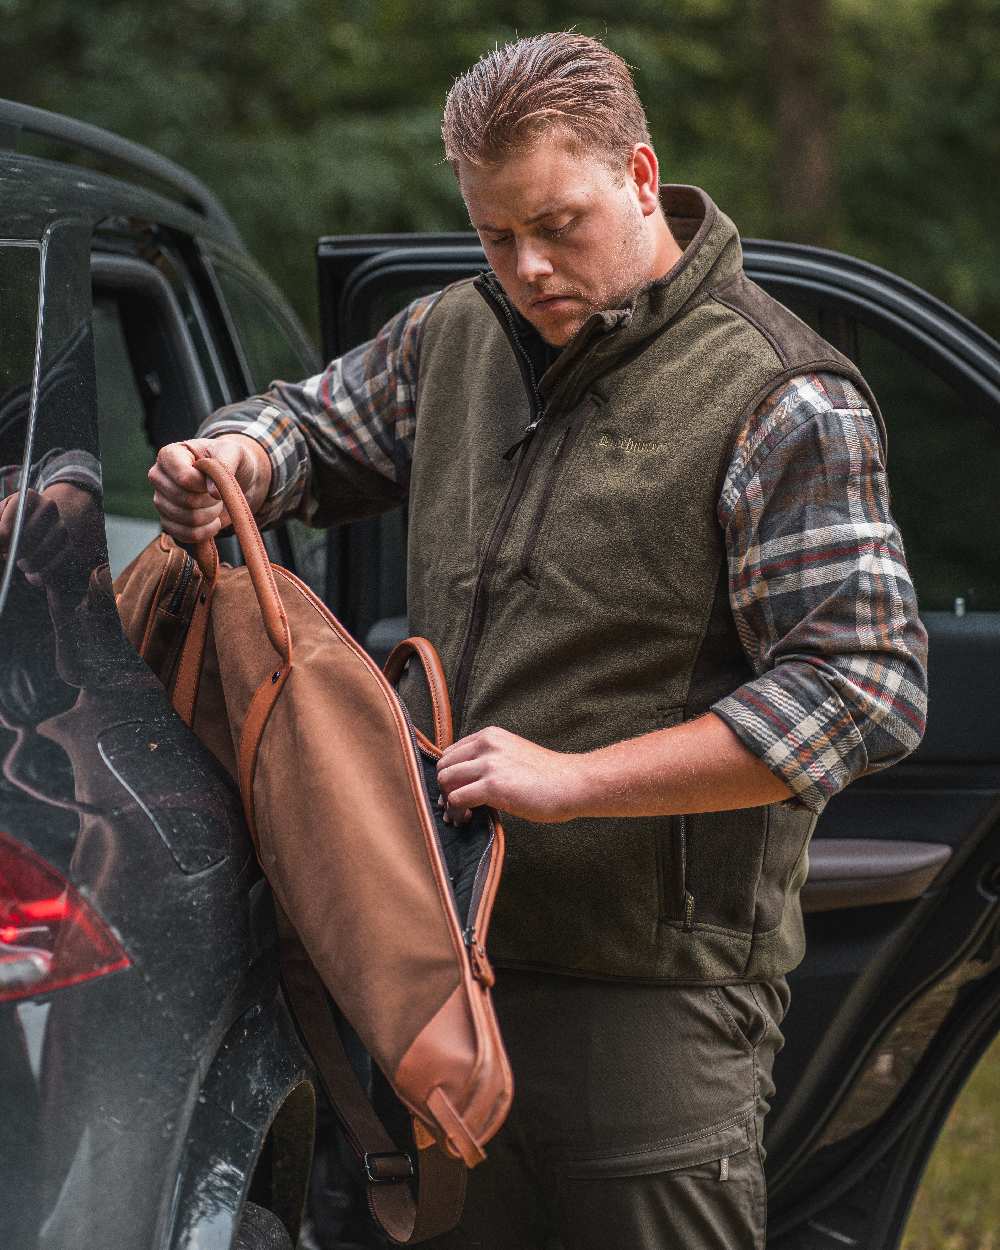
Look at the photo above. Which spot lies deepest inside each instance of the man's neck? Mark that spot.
(667, 250)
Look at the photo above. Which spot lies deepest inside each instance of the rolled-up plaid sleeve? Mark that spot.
(340, 443)
(820, 592)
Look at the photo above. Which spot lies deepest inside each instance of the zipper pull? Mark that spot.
(482, 970)
(529, 429)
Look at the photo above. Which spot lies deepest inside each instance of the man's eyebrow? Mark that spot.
(529, 221)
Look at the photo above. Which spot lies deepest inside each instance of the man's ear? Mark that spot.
(644, 172)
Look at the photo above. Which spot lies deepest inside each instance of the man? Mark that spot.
(649, 534)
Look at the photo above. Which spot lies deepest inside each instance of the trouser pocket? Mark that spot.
(705, 1192)
(693, 1151)
(753, 1012)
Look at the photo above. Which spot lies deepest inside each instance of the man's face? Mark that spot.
(563, 232)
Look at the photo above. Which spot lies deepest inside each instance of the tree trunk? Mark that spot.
(804, 166)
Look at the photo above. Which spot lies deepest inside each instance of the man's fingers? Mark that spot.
(458, 774)
(192, 534)
(176, 464)
(464, 799)
(169, 489)
(181, 515)
(464, 749)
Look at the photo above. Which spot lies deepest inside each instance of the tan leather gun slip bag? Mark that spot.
(374, 892)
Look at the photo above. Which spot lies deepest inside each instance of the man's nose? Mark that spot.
(532, 262)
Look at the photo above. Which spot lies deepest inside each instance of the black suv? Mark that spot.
(152, 1082)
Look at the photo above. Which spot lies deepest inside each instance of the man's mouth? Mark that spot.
(550, 301)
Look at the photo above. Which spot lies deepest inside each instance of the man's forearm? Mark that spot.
(700, 766)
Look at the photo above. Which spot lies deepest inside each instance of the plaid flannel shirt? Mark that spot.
(818, 584)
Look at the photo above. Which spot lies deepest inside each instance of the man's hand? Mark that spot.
(699, 766)
(188, 503)
(62, 536)
(511, 774)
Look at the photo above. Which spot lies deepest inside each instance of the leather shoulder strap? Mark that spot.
(440, 1191)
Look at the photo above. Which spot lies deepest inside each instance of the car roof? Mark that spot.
(36, 191)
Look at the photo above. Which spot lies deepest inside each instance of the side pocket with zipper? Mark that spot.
(676, 902)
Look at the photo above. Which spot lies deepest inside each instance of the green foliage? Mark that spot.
(958, 1202)
(318, 117)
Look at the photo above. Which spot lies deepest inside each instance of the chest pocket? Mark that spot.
(609, 513)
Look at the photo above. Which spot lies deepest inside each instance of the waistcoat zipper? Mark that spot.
(537, 412)
(529, 454)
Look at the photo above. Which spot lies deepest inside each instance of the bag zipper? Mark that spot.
(177, 598)
(478, 961)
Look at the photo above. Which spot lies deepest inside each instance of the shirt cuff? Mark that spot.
(814, 747)
(75, 468)
(286, 450)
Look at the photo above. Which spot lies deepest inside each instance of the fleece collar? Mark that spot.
(711, 255)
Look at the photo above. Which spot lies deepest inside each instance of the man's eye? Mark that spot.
(555, 232)
(498, 239)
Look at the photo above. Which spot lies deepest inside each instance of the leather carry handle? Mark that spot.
(185, 689)
(437, 684)
(254, 551)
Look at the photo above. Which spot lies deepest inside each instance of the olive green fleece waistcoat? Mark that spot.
(577, 594)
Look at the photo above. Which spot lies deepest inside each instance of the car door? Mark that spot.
(899, 992)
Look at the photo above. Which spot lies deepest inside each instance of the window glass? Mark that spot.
(130, 519)
(19, 301)
(19, 277)
(274, 352)
(942, 461)
(385, 304)
(270, 348)
(127, 454)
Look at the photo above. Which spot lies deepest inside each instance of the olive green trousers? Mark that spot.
(637, 1118)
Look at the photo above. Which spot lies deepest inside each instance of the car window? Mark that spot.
(130, 519)
(19, 270)
(150, 391)
(385, 304)
(122, 417)
(942, 450)
(19, 300)
(273, 350)
(942, 460)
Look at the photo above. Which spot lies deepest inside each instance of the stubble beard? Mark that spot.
(630, 258)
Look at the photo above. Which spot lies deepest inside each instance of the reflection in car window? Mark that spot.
(19, 300)
(942, 469)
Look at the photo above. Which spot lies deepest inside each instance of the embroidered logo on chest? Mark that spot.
(631, 445)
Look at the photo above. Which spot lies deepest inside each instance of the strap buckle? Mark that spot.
(387, 1167)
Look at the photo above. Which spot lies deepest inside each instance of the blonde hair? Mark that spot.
(561, 80)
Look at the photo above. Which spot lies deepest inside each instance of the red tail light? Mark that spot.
(50, 936)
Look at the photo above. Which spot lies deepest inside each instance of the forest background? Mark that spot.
(870, 126)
